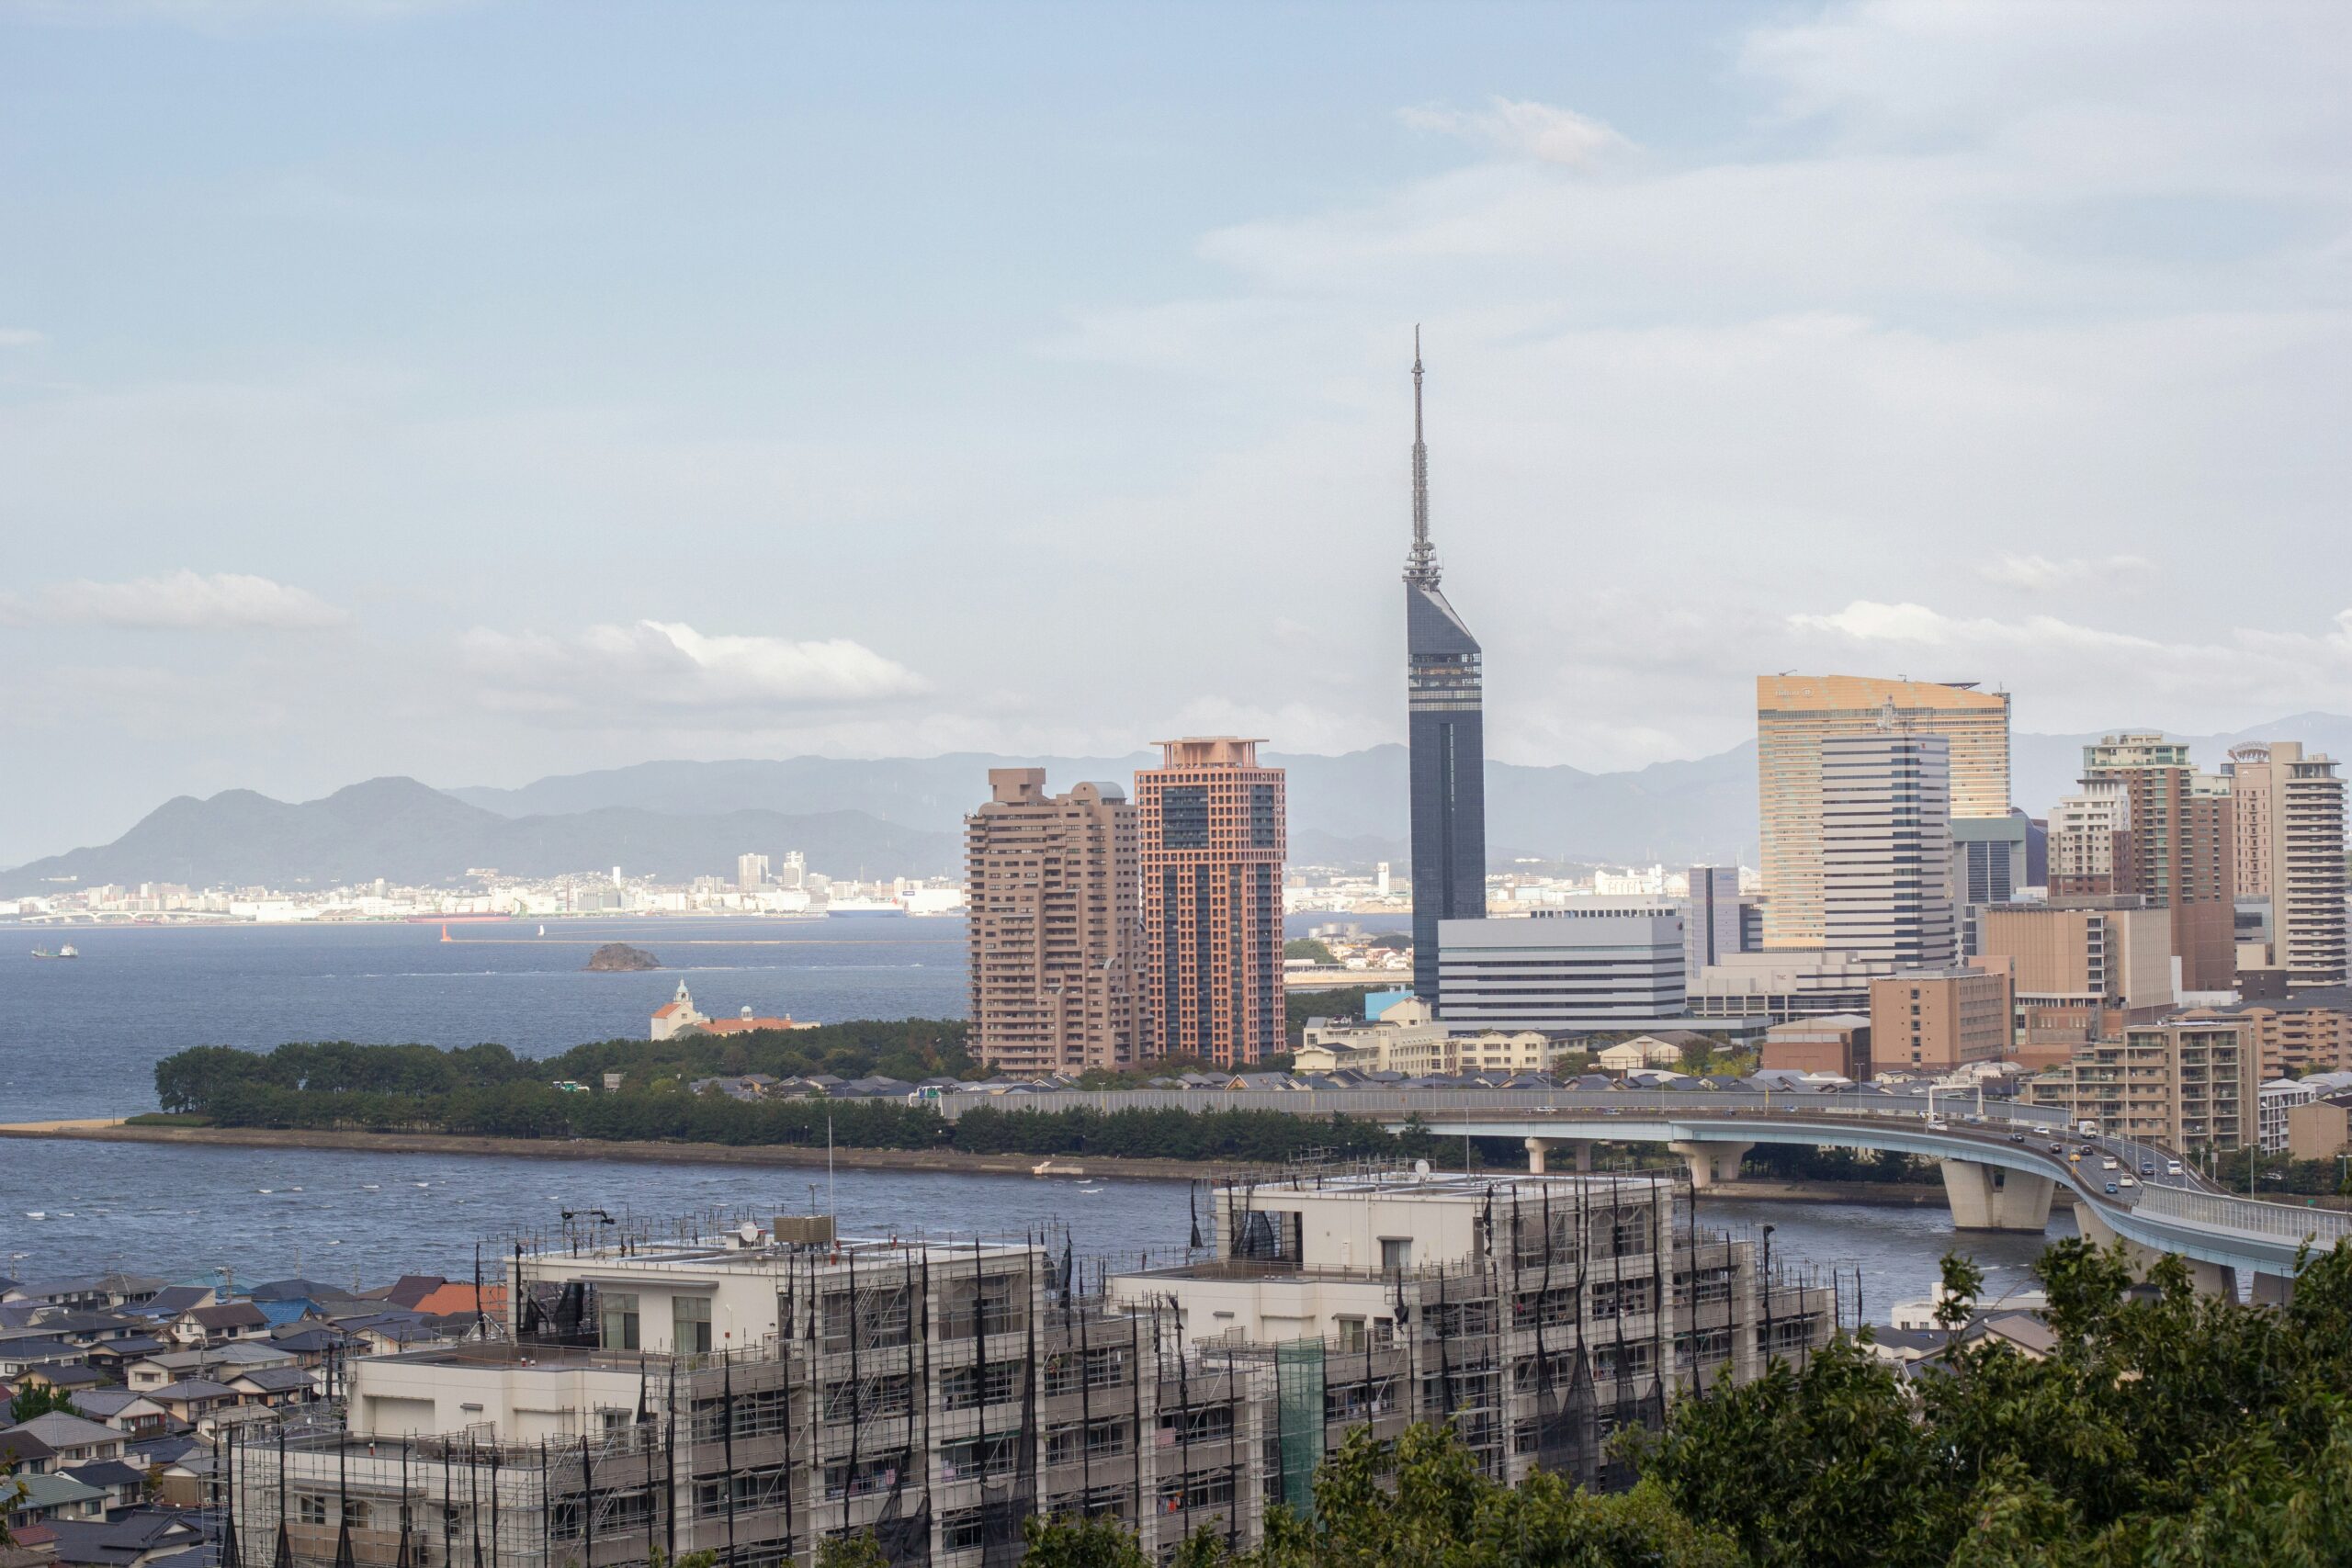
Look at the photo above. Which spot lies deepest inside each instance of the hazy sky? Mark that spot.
(482, 390)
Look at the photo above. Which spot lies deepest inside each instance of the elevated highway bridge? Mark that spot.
(2003, 1164)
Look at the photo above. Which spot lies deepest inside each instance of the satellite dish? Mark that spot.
(1421, 1168)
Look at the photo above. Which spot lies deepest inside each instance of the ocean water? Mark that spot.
(81, 1039)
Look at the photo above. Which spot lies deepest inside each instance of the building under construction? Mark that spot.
(756, 1390)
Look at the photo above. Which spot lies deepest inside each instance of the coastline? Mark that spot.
(113, 1131)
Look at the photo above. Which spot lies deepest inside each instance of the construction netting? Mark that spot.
(1298, 1386)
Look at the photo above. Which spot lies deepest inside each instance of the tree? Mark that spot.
(1309, 948)
(852, 1552)
(40, 1400)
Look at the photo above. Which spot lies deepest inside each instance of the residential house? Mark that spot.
(218, 1324)
(72, 1439)
(54, 1499)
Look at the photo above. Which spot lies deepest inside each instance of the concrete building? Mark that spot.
(1886, 853)
(759, 1392)
(1934, 1020)
(1561, 970)
(1715, 918)
(1057, 956)
(2180, 852)
(1531, 1313)
(2082, 972)
(750, 872)
(2273, 1100)
(1776, 985)
(2321, 1130)
(2090, 841)
(2189, 1084)
(2308, 1033)
(1988, 868)
(1445, 722)
(2288, 812)
(1837, 1043)
(1406, 1038)
(1212, 835)
(1796, 715)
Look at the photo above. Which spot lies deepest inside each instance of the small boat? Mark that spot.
(543, 931)
(68, 950)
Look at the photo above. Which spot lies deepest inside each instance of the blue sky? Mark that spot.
(480, 390)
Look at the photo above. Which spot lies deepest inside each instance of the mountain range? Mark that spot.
(904, 815)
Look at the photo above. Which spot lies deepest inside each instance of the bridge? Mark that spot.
(2004, 1165)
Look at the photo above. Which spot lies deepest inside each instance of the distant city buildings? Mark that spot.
(1212, 844)
(1885, 837)
(2189, 1084)
(1932, 1021)
(1057, 956)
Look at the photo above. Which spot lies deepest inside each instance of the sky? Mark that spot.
(477, 392)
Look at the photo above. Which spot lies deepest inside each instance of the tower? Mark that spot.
(1210, 841)
(1446, 731)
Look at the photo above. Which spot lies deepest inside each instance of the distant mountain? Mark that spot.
(904, 815)
(400, 830)
(1350, 809)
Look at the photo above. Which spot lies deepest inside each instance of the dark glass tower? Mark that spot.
(1448, 739)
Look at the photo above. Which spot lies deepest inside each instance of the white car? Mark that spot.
(2172, 1167)
(2127, 1181)
(2106, 1162)
(1937, 1124)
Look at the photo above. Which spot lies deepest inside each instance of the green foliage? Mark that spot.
(852, 1552)
(1339, 1001)
(1309, 948)
(1804, 1162)
(36, 1400)
(1063, 1541)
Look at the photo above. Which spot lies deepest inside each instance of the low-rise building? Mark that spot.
(2319, 1129)
(1407, 1038)
(1561, 971)
(678, 1016)
(2273, 1100)
(1780, 984)
(1837, 1042)
(2307, 1032)
(1936, 1020)
(2188, 1084)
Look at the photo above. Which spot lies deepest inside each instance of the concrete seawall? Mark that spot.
(107, 1131)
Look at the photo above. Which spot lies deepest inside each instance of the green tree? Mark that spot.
(852, 1552)
(1309, 948)
(40, 1400)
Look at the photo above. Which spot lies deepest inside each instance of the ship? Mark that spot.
(68, 950)
(864, 909)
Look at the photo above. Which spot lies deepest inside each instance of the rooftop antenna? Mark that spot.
(1420, 565)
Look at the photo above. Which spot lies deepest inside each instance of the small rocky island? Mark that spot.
(620, 957)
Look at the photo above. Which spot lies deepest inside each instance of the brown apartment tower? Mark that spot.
(1057, 941)
(1212, 851)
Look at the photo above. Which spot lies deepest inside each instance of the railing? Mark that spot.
(1435, 1105)
(2251, 1217)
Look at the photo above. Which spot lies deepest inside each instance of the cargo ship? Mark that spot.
(68, 950)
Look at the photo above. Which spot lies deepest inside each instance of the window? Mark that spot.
(618, 1310)
(1352, 1334)
(313, 1510)
(358, 1515)
(690, 1320)
(1396, 1254)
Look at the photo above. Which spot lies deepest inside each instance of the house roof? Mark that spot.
(173, 1300)
(276, 1380)
(50, 1491)
(60, 1430)
(108, 1473)
(98, 1403)
(34, 1350)
(227, 1315)
(190, 1388)
(24, 1448)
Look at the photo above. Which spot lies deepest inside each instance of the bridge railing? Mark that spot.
(2251, 1216)
(1438, 1106)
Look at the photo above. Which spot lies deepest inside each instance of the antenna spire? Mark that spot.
(1420, 564)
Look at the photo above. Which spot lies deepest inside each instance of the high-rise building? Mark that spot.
(2288, 832)
(2179, 852)
(1714, 923)
(1211, 848)
(2090, 841)
(1056, 937)
(1796, 714)
(1988, 867)
(1886, 859)
(750, 871)
(1447, 734)
(2082, 972)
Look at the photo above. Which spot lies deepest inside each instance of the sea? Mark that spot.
(80, 1040)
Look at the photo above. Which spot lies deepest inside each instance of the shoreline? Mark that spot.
(339, 1139)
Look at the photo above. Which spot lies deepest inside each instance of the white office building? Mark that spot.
(1564, 970)
(1886, 855)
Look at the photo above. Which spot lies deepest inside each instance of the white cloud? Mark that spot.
(662, 665)
(179, 600)
(2039, 574)
(1541, 132)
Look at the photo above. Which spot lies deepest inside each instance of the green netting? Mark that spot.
(1298, 1386)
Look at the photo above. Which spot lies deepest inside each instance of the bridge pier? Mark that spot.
(2211, 1278)
(1539, 1153)
(1712, 1164)
(1989, 1198)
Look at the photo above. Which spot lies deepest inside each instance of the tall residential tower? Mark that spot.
(1447, 731)
(1211, 838)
